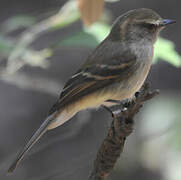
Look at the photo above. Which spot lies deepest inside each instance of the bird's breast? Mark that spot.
(128, 86)
(136, 81)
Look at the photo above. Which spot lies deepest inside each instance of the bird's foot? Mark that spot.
(124, 103)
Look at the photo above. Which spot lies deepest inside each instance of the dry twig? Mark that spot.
(121, 127)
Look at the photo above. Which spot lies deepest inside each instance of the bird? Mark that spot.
(115, 70)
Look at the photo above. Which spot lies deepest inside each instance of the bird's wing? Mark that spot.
(90, 79)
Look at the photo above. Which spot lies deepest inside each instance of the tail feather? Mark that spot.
(43, 128)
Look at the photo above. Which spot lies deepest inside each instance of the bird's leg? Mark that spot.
(125, 103)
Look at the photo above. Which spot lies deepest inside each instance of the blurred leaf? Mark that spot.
(6, 45)
(165, 50)
(90, 10)
(98, 30)
(68, 14)
(16, 22)
(80, 39)
(89, 37)
(37, 58)
(30, 57)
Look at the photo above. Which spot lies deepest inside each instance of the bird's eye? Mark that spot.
(149, 25)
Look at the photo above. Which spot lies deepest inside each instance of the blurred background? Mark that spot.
(42, 43)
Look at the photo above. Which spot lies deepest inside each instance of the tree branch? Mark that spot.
(121, 127)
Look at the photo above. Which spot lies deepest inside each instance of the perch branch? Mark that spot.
(121, 127)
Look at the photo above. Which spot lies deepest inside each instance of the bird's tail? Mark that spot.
(43, 128)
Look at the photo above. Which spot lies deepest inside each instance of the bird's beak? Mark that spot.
(166, 22)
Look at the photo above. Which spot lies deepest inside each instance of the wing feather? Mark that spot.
(89, 80)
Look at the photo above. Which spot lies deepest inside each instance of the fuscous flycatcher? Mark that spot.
(115, 70)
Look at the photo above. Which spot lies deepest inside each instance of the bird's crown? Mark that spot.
(141, 22)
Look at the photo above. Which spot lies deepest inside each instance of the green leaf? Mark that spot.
(6, 45)
(80, 39)
(98, 30)
(89, 37)
(165, 50)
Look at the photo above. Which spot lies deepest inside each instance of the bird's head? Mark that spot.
(139, 24)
